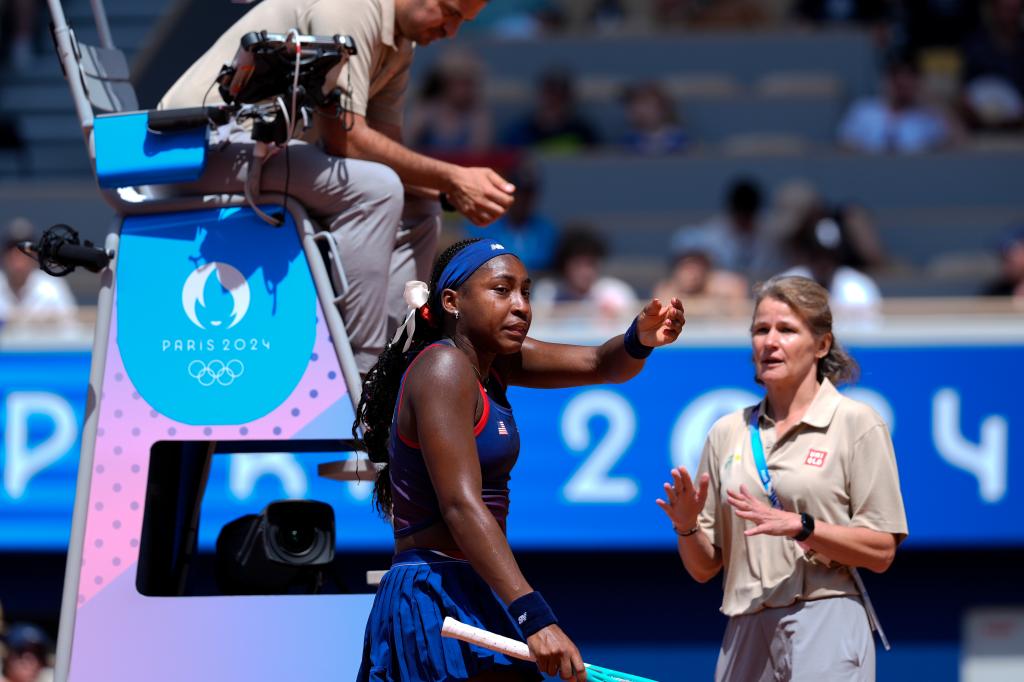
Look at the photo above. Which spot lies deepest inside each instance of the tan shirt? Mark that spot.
(838, 465)
(378, 74)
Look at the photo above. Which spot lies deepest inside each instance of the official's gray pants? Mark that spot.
(826, 639)
(384, 237)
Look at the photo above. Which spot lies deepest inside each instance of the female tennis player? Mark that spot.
(434, 410)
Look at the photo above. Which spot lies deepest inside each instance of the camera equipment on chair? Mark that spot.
(273, 80)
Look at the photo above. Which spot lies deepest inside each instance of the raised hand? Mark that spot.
(659, 324)
(556, 655)
(685, 501)
(481, 195)
(767, 520)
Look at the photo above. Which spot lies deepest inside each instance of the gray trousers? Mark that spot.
(384, 237)
(826, 639)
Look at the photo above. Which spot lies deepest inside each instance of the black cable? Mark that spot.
(287, 179)
(350, 121)
(342, 111)
(208, 91)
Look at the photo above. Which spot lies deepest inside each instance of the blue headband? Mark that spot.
(460, 268)
(467, 261)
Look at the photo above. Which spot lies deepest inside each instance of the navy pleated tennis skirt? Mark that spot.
(403, 640)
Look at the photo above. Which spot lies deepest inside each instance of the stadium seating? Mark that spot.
(759, 104)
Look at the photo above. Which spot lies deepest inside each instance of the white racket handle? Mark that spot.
(488, 640)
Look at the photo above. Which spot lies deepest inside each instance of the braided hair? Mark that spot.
(377, 406)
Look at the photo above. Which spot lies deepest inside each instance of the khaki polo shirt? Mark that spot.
(838, 465)
(375, 78)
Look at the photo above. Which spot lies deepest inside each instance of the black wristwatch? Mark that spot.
(446, 205)
(807, 521)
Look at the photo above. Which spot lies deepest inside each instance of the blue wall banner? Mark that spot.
(593, 460)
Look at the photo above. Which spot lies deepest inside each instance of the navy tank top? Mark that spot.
(415, 504)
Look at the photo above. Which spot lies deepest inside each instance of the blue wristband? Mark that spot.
(531, 613)
(634, 348)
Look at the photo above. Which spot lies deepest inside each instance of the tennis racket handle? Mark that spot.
(488, 640)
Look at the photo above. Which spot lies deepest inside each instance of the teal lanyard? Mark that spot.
(760, 462)
(766, 481)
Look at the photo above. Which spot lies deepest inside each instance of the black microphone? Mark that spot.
(91, 258)
(60, 251)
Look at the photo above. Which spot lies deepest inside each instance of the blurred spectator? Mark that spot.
(864, 249)
(607, 16)
(20, 36)
(452, 117)
(736, 240)
(692, 276)
(1011, 281)
(672, 12)
(530, 234)
(795, 200)
(554, 125)
(26, 292)
(653, 124)
(727, 14)
(993, 94)
(10, 136)
(578, 278)
(842, 11)
(896, 121)
(933, 23)
(820, 248)
(27, 655)
(520, 20)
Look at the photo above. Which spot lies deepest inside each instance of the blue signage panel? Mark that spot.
(593, 459)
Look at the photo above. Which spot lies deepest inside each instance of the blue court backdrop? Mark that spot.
(593, 460)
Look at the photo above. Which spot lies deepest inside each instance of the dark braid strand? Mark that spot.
(376, 408)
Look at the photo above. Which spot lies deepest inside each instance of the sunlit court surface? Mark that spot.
(208, 228)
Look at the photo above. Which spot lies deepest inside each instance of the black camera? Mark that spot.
(264, 68)
(282, 549)
(289, 66)
(292, 67)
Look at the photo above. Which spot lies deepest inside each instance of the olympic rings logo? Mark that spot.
(215, 372)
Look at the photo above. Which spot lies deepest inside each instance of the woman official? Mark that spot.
(792, 495)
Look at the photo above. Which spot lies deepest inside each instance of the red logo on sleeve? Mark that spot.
(816, 458)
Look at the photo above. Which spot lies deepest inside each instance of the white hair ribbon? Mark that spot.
(416, 296)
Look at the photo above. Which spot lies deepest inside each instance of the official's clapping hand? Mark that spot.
(481, 195)
(767, 520)
(660, 324)
(685, 500)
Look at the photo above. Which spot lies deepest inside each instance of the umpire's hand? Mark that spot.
(480, 194)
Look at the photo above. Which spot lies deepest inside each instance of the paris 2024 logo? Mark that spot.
(217, 318)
